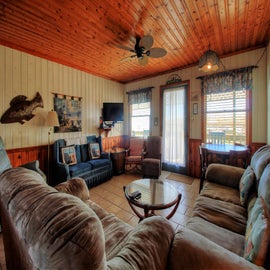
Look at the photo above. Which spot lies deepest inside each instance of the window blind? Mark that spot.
(227, 112)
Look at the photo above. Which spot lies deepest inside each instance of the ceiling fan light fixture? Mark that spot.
(209, 61)
(143, 50)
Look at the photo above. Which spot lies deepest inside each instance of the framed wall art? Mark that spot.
(69, 112)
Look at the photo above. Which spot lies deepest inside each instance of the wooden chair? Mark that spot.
(239, 158)
(217, 137)
(134, 155)
(206, 157)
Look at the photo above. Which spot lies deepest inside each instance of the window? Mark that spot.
(227, 106)
(140, 111)
(226, 114)
(140, 119)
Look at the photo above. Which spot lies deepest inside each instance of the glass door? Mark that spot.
(174, 129)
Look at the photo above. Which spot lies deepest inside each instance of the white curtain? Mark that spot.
(174, 126)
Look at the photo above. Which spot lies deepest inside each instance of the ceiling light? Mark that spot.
(209, 61)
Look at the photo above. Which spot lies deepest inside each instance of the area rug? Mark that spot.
(180, 178)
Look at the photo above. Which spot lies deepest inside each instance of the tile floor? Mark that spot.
(110, 196)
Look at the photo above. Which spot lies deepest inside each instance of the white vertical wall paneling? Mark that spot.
(26, 74)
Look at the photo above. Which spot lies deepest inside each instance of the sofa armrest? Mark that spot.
(105, 155)
(61, 172)
(34, 166)
(147, 246)
(224, 174)
(191, 251)
(76, 187)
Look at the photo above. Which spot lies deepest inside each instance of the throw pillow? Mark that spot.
(94, 150)
(84, 152)
(257, 233)
(69, 155)
(246, 184)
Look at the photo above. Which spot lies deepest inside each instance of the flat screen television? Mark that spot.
(113, 112)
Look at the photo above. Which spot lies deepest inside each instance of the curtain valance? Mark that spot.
(237, 79)
(140, 95)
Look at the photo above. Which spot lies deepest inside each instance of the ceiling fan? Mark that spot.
(143, 50)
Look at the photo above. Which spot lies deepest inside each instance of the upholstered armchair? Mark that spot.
(134, 155)
(151, 163)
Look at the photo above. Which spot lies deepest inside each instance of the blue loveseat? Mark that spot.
(93, 170)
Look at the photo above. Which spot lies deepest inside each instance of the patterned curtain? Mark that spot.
(237, 79)
(140, 95)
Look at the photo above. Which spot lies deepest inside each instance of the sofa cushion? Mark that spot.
(98, 163)
(225, 175)
(259, 160)
(220, 192)
(84, 152)
(79, 168)
(245, 185)
(230, 240)
(191, 251)
(115, 230)
(227, 215)
(264, 186)
(257, 233)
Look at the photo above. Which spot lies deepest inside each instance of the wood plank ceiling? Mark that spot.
(86, 34)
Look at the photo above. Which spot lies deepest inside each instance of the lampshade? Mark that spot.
(209, 61)
(52, 119)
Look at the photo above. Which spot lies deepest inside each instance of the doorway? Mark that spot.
(174, 128)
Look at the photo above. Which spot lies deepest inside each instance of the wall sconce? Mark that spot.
(209, 61)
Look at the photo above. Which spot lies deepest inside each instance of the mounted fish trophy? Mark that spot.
(21, 109)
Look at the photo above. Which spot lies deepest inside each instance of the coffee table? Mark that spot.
(155, 195)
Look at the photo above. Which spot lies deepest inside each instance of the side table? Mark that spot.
(118, 159)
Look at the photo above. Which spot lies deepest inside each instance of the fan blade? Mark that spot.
(157, 52)
(147, 42)
(143, 61)
(125, 48)
(128, 58)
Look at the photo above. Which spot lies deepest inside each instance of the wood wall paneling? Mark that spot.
(20, 156)
(194, 158)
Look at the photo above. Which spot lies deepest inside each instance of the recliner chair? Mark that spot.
(151, 164)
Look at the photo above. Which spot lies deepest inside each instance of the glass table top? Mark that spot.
(154, 193)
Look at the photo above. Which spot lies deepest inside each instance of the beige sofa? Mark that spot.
(230, 223)
(47, 229)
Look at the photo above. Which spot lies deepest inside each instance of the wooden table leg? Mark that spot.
(175, 207)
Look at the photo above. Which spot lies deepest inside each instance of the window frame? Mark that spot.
(130, 121)
(249, 118)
